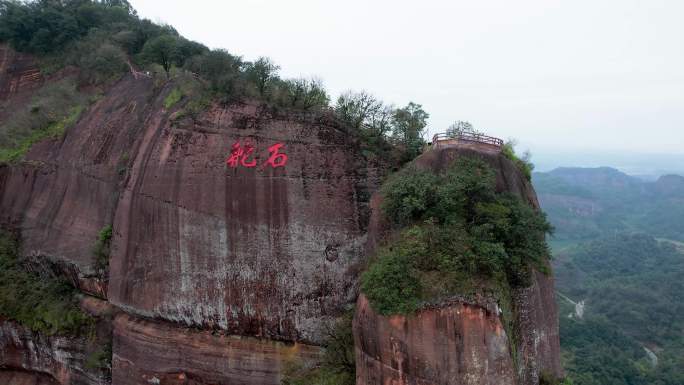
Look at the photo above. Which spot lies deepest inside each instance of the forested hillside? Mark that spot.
(589, 203)
(619, 270)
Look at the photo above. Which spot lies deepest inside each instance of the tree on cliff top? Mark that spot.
(408, 128)
(461, 127)
(262, 73)
(170, 50)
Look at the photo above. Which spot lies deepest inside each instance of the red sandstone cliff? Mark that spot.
(461, 342)
(249, 256)
(254, 252)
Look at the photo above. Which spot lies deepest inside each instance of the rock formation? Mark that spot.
(461, 342)
(223, 273)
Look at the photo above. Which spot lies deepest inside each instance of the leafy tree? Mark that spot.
(408, 128)
(460, 127)
(363, 111)
(162, 50)
(221, 69)
(302, 93)
(98, 58)
(262, 74)
(369, 118)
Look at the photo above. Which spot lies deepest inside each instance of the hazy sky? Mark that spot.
(563, 76)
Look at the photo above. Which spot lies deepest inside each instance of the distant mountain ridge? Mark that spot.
(583, 203)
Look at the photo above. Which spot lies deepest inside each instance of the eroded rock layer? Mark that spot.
(161, 353)
(455, 344)
(29, 356)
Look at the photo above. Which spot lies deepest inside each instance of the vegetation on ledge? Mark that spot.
(101, 249)
(456, 236)
(42, 304)
(523, 163)
(338, 364)
(52, 110)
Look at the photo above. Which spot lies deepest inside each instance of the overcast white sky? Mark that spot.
(560, 76)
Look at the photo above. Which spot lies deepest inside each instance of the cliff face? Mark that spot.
(260, 251)
(269, 251)
(456, 344)
(460, 342)
(226, 272)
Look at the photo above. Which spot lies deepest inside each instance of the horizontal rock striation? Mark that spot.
(47, 360)
(456, 344)
(162, 353)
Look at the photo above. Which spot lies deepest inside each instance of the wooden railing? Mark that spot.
(466, 137)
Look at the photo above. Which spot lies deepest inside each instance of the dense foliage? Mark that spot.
(338, 364)
(457, 236)
(44, 304)
(631, 284)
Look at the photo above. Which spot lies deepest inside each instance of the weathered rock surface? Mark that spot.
(66, 191)
(18, 73)
(17, 377)
(31, 357)
(262, 251)
(162, 353)
(457, 344)
(434, 346)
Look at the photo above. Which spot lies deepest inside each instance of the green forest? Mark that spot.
(617, 252)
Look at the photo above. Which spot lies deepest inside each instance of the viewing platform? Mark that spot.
(467, 140)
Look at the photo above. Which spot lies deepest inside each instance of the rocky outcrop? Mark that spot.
(19, 377)
(31, 357)
(456, 344)
(18, 73)
(163, 353)
(435, 346)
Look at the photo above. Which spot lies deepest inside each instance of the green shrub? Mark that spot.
(548, 379)
(458, 237)
(524, 163)
(408, 195)
(172, 98)
(100, 358)
(101, 249)
(338, 365)
(43, 304)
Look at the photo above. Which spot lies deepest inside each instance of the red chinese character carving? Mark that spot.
(249, 149)
(240, 155)
(276, 159)
(235, 154)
